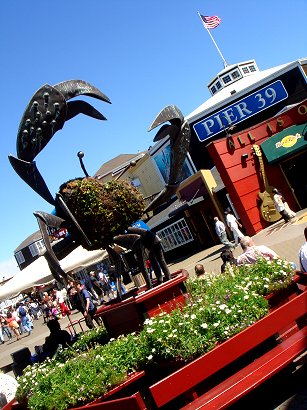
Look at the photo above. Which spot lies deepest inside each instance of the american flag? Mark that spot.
(210, 21)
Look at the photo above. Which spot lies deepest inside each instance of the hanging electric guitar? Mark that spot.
(267, 208)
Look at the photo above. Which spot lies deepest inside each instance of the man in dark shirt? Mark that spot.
(88, 307)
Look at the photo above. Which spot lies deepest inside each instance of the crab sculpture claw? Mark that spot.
(44, 115)
(180, 135)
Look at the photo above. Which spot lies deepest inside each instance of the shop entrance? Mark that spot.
(295, 172)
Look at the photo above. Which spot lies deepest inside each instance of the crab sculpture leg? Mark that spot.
(180, 136)
(46, 114)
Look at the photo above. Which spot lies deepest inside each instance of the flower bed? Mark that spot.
(221, 306)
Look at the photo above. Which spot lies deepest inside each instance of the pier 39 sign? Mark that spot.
(240, 111)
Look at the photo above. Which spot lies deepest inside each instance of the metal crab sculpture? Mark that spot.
(46, 114)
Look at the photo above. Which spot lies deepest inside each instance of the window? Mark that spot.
(245, 70)
(252, 68)
(227, 79)
(213, 90)
(37, 248)
(19, 257)
(175, 235)
(235, 74)
(218, 85)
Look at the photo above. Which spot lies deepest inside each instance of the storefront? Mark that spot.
(253, 131)
(270, 154)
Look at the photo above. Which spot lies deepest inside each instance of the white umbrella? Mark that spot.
(38, 272)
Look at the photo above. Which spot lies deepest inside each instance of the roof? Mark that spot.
(109, 166)
(163, 216)
(118, 163)
(34, 237)
(240, 87)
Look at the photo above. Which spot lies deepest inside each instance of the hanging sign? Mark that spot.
(241, 110)
(285, 143)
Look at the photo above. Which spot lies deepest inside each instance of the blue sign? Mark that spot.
(141, 224)
(240, 111)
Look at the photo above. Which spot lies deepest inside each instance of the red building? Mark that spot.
(270, 154)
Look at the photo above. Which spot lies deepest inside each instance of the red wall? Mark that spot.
(242, 178)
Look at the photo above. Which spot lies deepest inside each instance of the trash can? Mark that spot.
(21, 359)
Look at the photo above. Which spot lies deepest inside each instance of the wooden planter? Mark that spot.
(128, 315)
(232, 369)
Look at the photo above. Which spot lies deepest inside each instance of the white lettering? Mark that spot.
(242, 108)
(219, 120)
(229, 115)
(207, 124)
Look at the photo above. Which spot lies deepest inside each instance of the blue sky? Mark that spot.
(144, 55)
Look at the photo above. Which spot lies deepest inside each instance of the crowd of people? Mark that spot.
(16, 321)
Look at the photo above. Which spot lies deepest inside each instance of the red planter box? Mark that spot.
(128, 315)
(249, 358)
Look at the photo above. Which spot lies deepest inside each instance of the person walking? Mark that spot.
(5, 326)
(105, 286)
(13, 324)
(279, 202)
(220, 230)
(303, 253)
(88, 307)
(60, 302)
(234, 225)
(24, 316)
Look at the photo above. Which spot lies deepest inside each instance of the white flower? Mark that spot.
(216, 324)
(150, 357)
(223, 306)
(228, 311)
(204, 325)
(150, 330)
(153, 350)
(246, 297)
(193, 316)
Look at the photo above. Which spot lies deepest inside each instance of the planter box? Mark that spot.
(222, 376)
(128, 315)
(233, 368)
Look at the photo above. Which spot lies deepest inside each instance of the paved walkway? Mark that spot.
(284, 239)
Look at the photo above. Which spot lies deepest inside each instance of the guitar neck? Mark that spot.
(265, 181)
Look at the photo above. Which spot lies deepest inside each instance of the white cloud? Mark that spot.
(8, 268)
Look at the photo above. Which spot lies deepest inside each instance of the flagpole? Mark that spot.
(225, 62)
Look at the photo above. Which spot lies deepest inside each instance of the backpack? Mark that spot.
(22, 311)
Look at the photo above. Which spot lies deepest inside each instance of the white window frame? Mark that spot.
(175, 235)
(19, 257)
(37, 247)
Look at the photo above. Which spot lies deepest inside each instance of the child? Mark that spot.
(199, 270)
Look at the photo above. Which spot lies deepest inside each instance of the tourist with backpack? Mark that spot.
(24, 316)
